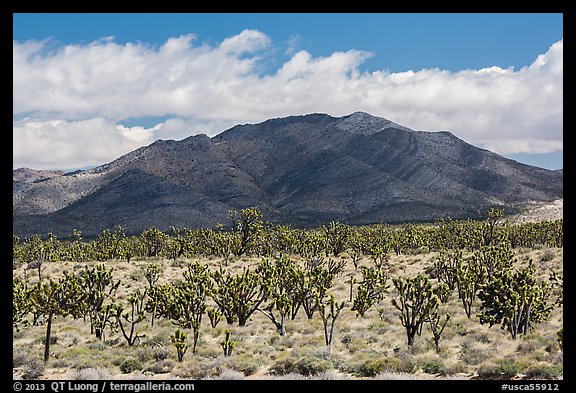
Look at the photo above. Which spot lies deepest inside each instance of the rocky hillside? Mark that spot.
(300, 170)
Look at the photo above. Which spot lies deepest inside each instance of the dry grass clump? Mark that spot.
(98, 373)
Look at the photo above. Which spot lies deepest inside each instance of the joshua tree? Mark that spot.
(284, 300)
(515, 300)
(239, 296)
(329, 319)
(370, 290)
(152, 273)
(336, 237)
(179, 341)
(20, 302)
(414, 296)
(434, 319)
(227, 344)
(133, 317)
(57, 298)
(98, 285)
(247, 230)
(469, 278)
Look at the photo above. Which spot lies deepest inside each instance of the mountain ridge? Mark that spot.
(302, 170)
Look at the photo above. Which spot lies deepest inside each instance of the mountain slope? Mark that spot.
(300, 170)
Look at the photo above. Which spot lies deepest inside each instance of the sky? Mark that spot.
(88, 88)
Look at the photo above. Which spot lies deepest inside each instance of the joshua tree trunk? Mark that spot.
(47, 342)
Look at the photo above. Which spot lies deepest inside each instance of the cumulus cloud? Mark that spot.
(68, 144)
(70, 100)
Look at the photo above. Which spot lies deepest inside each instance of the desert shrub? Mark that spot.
(130, 365)
(183, 370)
(432, 366)
(545, 371)
(373, 367)
(282, 367)
(245, 363)
(353, 342)
(408, 362)
(473, 356)
(312, 366)
(161, 353)
(97, 373)
(97, 345)
(33, 369)
(144, 355)
(81, 357)
(20, 357)
(547, 255)
(160, 367)
(482, 337)
(307, 365)
(500, 369)
(200, 368)
(230, 375)
(66, 363)
(452, 369)
(528, 347)
(157, 341)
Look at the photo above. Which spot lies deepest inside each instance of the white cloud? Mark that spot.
(65, 144)
(90, 88)
(513, 146)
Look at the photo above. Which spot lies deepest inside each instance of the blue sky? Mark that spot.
(119, 81)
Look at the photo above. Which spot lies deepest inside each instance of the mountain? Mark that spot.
(27, 175)
(299, 170)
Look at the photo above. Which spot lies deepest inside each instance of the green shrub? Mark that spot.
(433, 366)
(130, 365)
(246, 364)
(545, 371)
(501, 369)
(312, 365)
(307, 365)
(373, 367)
(452, 369)
(282, 367)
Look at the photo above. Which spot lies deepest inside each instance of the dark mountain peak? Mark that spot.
(195, 138)
(357, 123)
(276, 125)
(312, 118)
(300, 170)
(363, 123)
